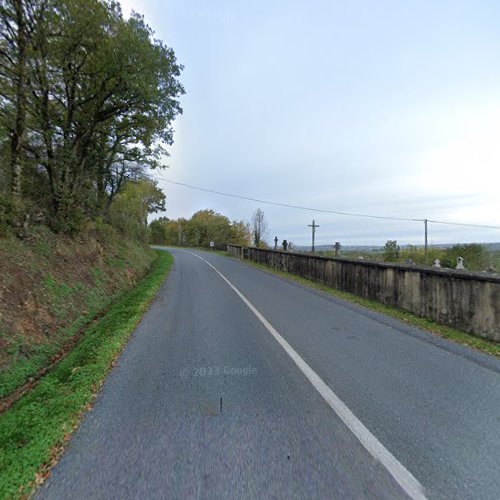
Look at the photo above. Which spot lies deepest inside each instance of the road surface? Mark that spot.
(240, 384)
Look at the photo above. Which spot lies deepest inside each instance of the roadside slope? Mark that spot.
(36, 429)
(51, 286)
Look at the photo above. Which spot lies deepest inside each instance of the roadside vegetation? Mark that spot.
(207, 226)
(198, 231)
(34, 431)
(52, 287)
(87, 105)
(477, 257)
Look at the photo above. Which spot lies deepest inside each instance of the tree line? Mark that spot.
(203, 227)
(87, 102)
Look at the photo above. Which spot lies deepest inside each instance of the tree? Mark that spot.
(158, 231)
(87, 100)
(241, 233)
(206, 226)
(260, 228)
(132, 206)
(391, 251)
(16, 25)
(203, 227)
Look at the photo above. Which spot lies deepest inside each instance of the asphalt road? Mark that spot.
(206, 403)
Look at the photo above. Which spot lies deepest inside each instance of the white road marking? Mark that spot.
(401, 475)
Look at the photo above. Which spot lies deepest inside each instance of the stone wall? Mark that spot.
(465, 300)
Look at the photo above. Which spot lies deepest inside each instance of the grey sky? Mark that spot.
(388, 107)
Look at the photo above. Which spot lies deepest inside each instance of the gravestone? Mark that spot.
(460, 263)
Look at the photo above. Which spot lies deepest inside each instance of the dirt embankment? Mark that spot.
(51, 286)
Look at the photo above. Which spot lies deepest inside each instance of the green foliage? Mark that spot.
(101, 231)
(98, 95)
(158, 230)
(391, 251)
(132, 206)
(475, 256)
(67, 283)
(39, 423)
(203, 227)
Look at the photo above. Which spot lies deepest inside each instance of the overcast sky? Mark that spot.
(388, 108)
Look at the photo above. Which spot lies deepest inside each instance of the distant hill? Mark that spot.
(331, 248)
(374, 248)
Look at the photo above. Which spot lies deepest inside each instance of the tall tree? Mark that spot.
(14, 46)
(260, 228)
(88, 96)
(134, 203)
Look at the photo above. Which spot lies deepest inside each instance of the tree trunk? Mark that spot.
(18, 130)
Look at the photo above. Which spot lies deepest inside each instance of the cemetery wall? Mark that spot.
(468, 301)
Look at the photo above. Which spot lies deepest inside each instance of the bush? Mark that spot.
(101, 231)
(476, 256)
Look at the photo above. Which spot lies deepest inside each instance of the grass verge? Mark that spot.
(53, 288)
(431, 326)
(34, 431)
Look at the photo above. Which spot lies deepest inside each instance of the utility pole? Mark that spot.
(314, 226)
(426, 245)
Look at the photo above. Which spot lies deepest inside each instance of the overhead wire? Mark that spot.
(320, 210)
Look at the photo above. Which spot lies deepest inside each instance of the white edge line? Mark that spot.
(377, 450)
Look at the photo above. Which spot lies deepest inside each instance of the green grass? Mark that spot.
(64, 285)
(34, 431)
(28, 366)
(447, 332)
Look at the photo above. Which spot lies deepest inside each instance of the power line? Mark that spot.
(286, 204)
(463, 224)
(319, 210)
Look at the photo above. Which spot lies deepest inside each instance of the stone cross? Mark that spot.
(285, 245)
(460, 263)
(276, 243)
(437, 263)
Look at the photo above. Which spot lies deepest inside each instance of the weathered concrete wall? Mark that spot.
(235, 250)
(470, 302)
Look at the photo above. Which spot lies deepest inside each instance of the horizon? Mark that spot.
(389, 109)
